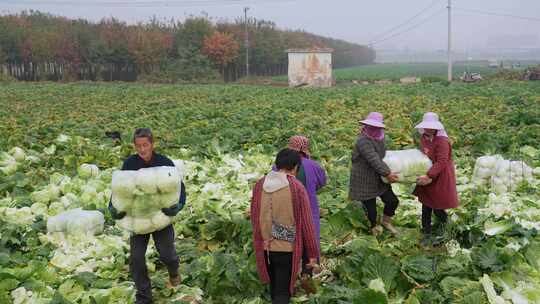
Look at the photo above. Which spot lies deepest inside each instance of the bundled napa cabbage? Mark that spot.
(509, 174)
(484, 168)
(142, 194)
(408, 164)
(500, 174)
(180, 166)
(77, 221)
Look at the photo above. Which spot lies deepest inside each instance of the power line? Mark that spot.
(185, 3)
(438, 12)
(496, 14)
(382, 35)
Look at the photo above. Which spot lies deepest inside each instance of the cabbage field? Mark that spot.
(227, 137)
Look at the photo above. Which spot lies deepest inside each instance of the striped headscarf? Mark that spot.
(299, 143)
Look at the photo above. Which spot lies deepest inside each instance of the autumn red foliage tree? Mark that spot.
(221, 48)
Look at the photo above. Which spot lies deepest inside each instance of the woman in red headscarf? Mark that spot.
(312, 176)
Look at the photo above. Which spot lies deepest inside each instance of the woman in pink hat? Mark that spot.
(367, 168)
(437, 189)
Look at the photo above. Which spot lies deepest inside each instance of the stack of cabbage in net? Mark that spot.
(142, 194)
(499, 174)
(408, 164)
(77, 221)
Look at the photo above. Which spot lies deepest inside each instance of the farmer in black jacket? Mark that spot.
(164, 239)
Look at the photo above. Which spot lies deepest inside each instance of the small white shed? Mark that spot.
(310, 67)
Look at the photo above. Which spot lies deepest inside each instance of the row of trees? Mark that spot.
(40, 46)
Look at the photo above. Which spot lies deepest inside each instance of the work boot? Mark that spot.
(440, 228)
(377, 230)
(440, 234)
(427, 240)
(387, 223)
(173, 282)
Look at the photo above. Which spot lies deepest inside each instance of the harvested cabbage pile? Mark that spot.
(9, 162)
(500, 174)
(408, 164)
(77, 221)
(509, 174)
(142, 194)
(484, 168)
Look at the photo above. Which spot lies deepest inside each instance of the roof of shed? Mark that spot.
(312, 50)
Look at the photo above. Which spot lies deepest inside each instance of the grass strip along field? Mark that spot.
(228, 136)
(395, 71)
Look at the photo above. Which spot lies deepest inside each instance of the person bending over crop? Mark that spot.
(146, 157)
(312, 176)
(282, 227)
(436, 190)
(367, 169)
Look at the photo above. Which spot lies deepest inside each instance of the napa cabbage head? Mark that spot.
(142, 225)
(123, 183)
(88, 171)
(49, 193)
(168, 180)
(492, 228)
(18, 154)
(377, 285)
(489, 289)
(146, 180)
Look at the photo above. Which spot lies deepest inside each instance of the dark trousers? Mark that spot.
(426, 217)
(279, 265)
(390, 201)
(164, 240)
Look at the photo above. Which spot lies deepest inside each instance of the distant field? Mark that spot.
(396, 71)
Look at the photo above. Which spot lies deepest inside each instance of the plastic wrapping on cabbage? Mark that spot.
(509, 174)
(144, 225)
(484, 168)
(408, 164)
(77, 221)
(142, 194)
(499, 174)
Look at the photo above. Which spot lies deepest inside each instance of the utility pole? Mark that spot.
(449, 40)
(247, 41)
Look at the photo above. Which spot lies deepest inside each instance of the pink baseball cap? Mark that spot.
(374, 119)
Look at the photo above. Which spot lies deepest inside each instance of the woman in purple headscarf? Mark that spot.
(313, 177)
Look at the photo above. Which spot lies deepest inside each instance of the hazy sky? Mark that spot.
(353, 20)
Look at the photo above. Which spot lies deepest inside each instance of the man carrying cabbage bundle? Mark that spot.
(146, 157)
(436, 190)
(366, 172)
